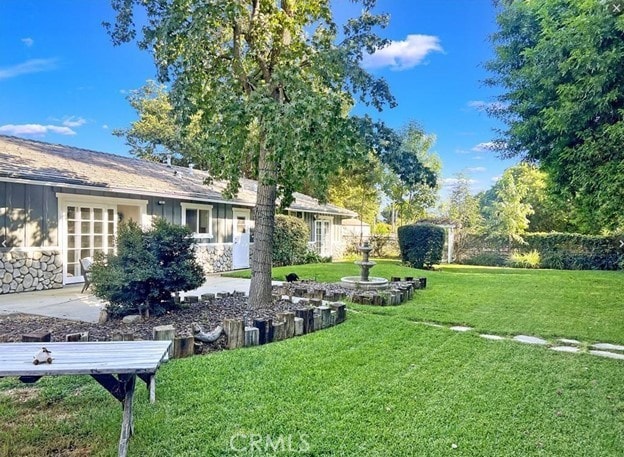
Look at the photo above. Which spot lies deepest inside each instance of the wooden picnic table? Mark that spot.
(113, 364)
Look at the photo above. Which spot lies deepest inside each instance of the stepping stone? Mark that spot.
(492, 337)
(608, 347)
(567, 341)
(610, 355)
(530, 340)
(460, 328)
(565, 349)
(430, 324)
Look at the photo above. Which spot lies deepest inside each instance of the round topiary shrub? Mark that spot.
(421, 245)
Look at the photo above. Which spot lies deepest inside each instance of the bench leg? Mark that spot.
(150, 382)
(127, 424)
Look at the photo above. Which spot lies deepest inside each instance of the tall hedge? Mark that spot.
(573, 251)
(421, 245)
(561, 251)
(290, 241)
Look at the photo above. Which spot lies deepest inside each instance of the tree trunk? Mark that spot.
(264, 215)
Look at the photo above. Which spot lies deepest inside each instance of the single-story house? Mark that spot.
(355, 228)
(59, 204)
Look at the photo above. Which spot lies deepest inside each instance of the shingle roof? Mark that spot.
(69, 166)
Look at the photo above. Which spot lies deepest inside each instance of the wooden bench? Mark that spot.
(115, 365)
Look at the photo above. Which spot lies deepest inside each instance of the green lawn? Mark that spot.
(377, 385)
(587, 305)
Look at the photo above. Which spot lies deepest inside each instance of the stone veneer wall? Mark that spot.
(214, 257)
(24, 271)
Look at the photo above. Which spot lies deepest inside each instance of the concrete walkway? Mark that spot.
(69, 303)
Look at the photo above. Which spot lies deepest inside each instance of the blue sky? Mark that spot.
(62, 80)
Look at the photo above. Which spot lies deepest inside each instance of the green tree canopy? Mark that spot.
(559, 65)
(411, 173)
(266, 83)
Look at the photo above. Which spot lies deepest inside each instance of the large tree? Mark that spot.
(559, 65)
(267, 83)
(411, 172)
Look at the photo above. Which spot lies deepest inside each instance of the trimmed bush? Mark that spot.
(572, 251)
(561, 251)
(148, 268)
(290, 241)
(421, 245)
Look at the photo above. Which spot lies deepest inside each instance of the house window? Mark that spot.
(198, 218)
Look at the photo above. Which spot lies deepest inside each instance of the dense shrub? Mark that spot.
(488, 259)
(572, 251)
(290, 241)
(525, 260)
(563, 251)
(148, 268)
(421, 245)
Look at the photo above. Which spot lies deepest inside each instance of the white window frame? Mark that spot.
(200, 236)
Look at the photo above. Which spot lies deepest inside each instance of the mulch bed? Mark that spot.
(208, 314)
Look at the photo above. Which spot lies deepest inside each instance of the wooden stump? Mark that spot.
(183, 346)
(423, 283)
(261, 325)
(270, 331)
(208, 297)
(318, 323)
(37, 337)
(300, 292)
(288, 319)
(239, 293)
(395, 279)
(235, 331)
(341, 311)
(252, 336)
(279, 329)
(325, 313)
(298, 326)
(191, 299)
(222, 295)
(164, 333)
(409, 278)
(82, 336)
(307, 315)
(316, 302)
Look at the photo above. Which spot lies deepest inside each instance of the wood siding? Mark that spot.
(29, 213)
(28, 216)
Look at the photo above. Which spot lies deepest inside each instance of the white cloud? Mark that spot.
(403, 54)
(462, 151)
(496, 178)
(35, 129)
(480, 105)
(73, 121)
(446, 182)
(30, 66)
(477, 158)
(475, 169)
(28, 41)
(105, 126)
(485, 147)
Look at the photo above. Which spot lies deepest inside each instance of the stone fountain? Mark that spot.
(364, 281)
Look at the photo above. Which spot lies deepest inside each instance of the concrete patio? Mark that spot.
(69, 303)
